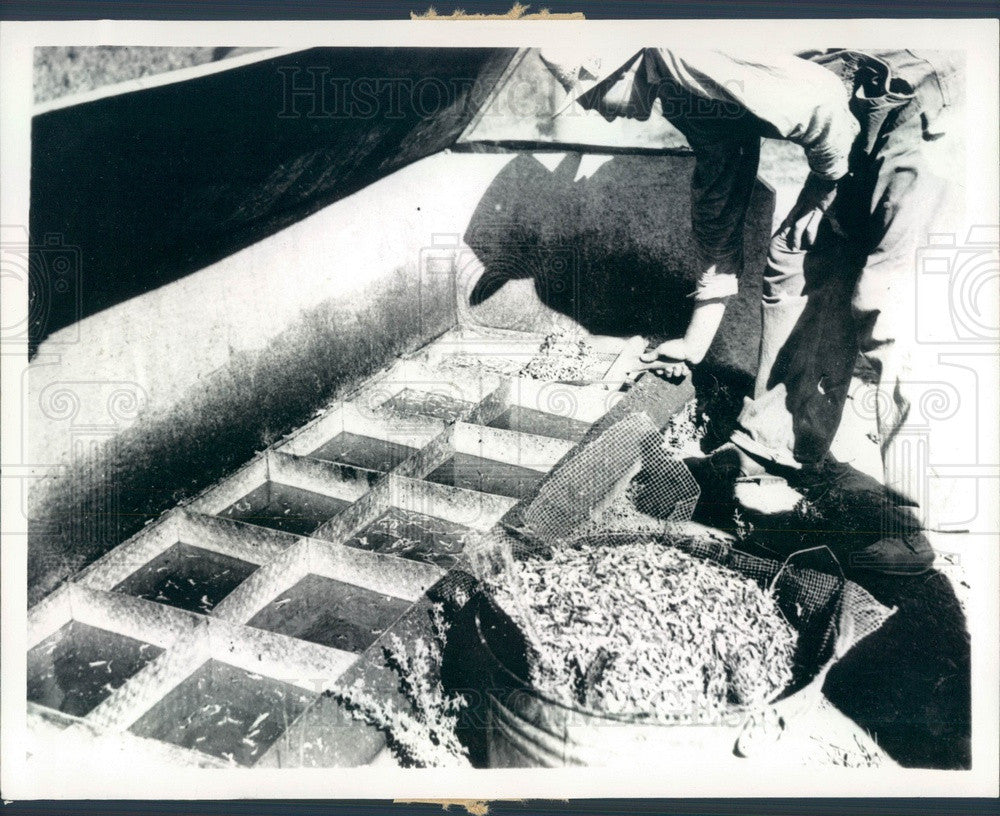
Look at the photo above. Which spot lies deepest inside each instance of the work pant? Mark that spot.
(852, 292)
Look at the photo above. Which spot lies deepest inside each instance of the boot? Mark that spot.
(873, 533)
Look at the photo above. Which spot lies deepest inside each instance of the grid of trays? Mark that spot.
(209, 638)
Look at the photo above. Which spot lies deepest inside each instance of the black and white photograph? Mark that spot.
(619, 400)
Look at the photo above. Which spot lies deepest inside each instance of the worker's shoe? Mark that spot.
(716, 474)
(730, 474)
(895, 555)
(760, 486)
(873, 533)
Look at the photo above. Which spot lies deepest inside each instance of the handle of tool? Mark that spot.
(618, 373)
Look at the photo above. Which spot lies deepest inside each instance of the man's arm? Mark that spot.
(800, 102)
(802, 222)
(673, 358)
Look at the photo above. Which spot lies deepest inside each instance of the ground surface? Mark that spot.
(65, 70)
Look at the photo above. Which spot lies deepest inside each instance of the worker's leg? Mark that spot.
(806, 352)
(766, 426)
(808, 342)
(905, 198)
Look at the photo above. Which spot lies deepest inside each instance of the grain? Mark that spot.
(642, 628)
(565, 358)
(561, 357)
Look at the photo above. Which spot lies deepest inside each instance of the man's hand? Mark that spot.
(802, 223)
(673, 359)
(667, 360)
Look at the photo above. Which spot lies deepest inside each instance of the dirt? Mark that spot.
(560, 357)
(62, 70)
(412, 401)
(363, 451)
(285, 508)
(486, 476)
(187, 577)
(78, 667)
(331, 613)
(414, 536)
(565, 357)
(224, 711)
(530, 420)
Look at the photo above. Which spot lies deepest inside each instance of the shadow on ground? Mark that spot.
(909, 683)
(615, 253)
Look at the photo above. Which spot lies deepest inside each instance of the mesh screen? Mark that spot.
(620, 483)
(621, 479)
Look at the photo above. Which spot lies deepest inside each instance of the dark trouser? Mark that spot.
(852, 292)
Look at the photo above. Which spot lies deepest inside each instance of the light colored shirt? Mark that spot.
(801, 101)
(721, 101)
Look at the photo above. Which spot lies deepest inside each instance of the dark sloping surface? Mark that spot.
(149, 186)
